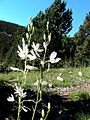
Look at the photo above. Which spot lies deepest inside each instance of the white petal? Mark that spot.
(44, 45)
(53, 55)
(24, 109)
(31, 67)
(31, 57)
(15, 69)
(37, 46)
(11, 98)
(60, 78)
(33, 45)
(57, 60)
(52, 60)
(20, 49)
(22, 55)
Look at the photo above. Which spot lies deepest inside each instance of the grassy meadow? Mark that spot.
(69, 77)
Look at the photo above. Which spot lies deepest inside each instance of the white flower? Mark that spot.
(50, 85)
(15, 69)
(10, 98)
(80, 73)
(23, 52)
(36, 83)
(53, 58)
(31, 67)
(19, 91)
(44, 83)
(36, 48)
(31, 56)
(59, 78)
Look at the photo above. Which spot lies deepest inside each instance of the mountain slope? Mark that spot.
(10, 36)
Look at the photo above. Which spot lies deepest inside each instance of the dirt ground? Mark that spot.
(65, 91)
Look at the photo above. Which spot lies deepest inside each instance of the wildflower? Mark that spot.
(36, 83)
(60, 74)
(31, 56)
(19, 91)
(53, 58)
(80, 73)
(15, 69)
(23, 52)
(50, 85)
(70, 72)
(10, 98)
(60, 78)
(31, 67)
(44, 83)
(36, 48)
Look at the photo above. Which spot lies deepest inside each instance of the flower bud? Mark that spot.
(27, 35)
(80, 74)
(43, 113)
(28, 27)
(41, 118)
(49, 106)
(44, 37)
(49, 37)
(47, 25)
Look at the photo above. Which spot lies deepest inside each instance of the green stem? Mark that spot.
(36, 103)
(19, 108)
(47, 114)
(24, 73)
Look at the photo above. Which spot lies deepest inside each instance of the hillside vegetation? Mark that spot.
(10, 35)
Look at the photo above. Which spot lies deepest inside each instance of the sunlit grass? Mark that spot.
(69, 75)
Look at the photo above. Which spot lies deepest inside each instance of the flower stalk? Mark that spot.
(19, 108)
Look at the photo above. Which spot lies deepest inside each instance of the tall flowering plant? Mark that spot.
(30, 55)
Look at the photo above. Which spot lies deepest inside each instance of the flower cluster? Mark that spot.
(24, 52)
(18, 92)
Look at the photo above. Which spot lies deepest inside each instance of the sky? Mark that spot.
(19, 11)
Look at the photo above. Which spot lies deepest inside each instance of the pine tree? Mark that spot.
(60, 23)
(82, 54)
